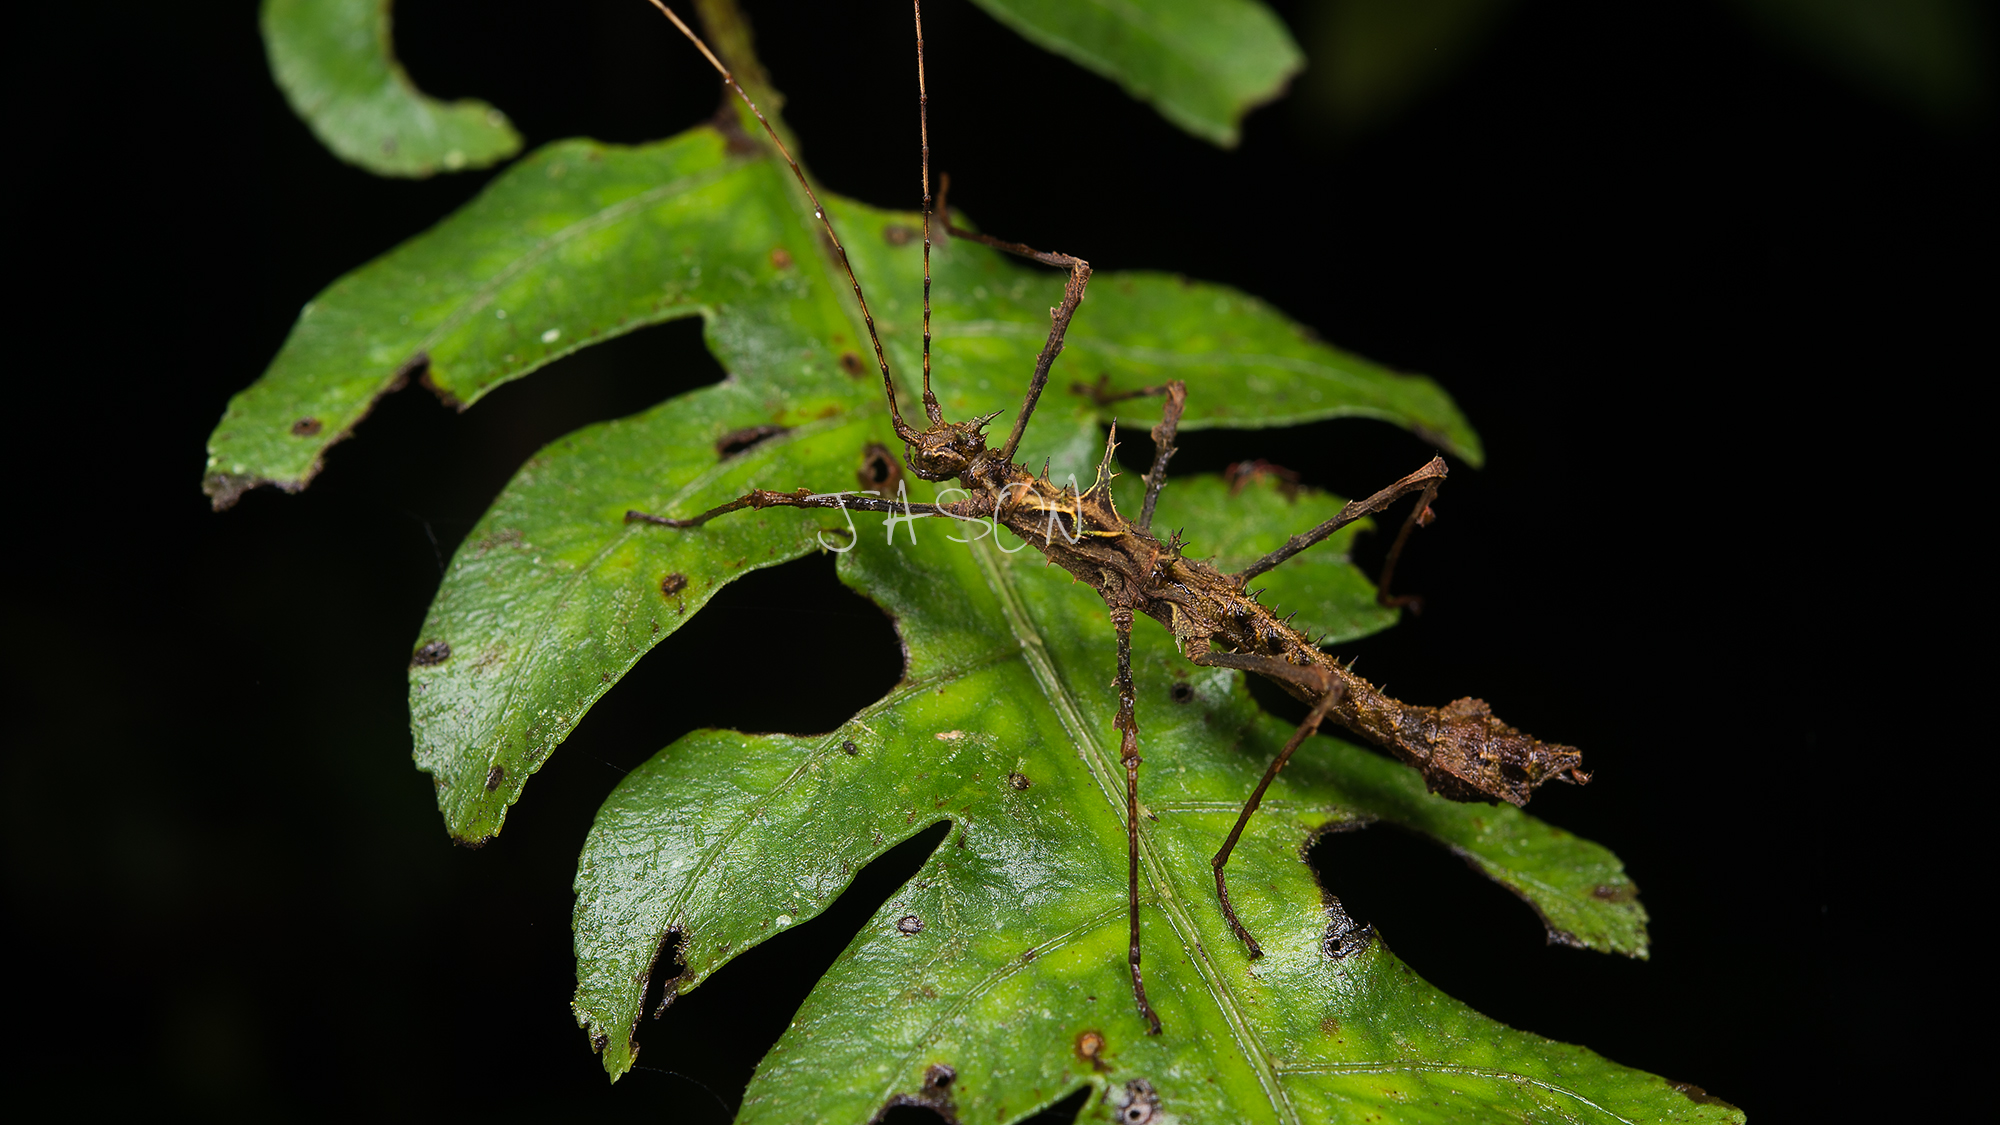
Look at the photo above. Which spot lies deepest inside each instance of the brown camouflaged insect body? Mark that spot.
(1463, 751)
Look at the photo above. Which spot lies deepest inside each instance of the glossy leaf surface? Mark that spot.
(1202, 63)
(1005, 952)
(336, 63)
(552, 598)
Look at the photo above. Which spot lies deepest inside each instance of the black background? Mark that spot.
(1711, 309)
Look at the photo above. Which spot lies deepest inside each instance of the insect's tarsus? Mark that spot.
(1463, 751)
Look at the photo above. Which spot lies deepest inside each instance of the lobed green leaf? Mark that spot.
(1002, 724)
(1005, 952)
(335, 62)
(1202, 63)
(551, 598)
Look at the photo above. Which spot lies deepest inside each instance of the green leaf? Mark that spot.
(1202, 63)
(336, 64)
(552, 598)
(725, 838)
(1007, 948)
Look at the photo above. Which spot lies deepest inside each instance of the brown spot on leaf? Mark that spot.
(851, 363)
(910, 924)
(494, 777)
(736, 441)
(1090, 1048)
(896, 234)
(306, 427)
(780, 258)
(432, 653)
(850, 747)
(1018, 780)
(1615, 892)
(673, 584)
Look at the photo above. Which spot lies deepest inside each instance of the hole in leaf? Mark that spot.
(736, 441)
(1063, 1112)
(718, 1032)
(879, 471)
(663, 977)
(837, 651)
(912, 1115)
(442, 468)
(1464, 933)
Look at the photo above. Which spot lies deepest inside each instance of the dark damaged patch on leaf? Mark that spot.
(736, 441)
(910, 924)
(1018, 780)
(306, 427)
(1343, 938)
(934, 1096)
(1182, 692)
(673, 584)
(669, 967)
(780, 258)
(1615, 892)
(880, 472)
(849, 746)
(494, 777)
(851, 363)
(1141, 1104)
(432, 653)
(1699, 1096)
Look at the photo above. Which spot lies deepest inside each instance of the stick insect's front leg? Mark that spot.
(806, 498)
(1329, 692)
(1059, 317)
(1128, 727)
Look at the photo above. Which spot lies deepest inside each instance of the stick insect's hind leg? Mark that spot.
(1329, 692)
(1128, 726)
(1420, 516)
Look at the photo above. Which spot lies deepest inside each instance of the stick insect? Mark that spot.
(1462, 750)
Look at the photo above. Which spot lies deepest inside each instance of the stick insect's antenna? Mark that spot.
(903, 429)
(931, 408)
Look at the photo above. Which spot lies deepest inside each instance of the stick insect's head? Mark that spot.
(947, 449)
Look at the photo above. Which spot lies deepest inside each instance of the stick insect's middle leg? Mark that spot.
(1330, 692)
(1128, 727)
